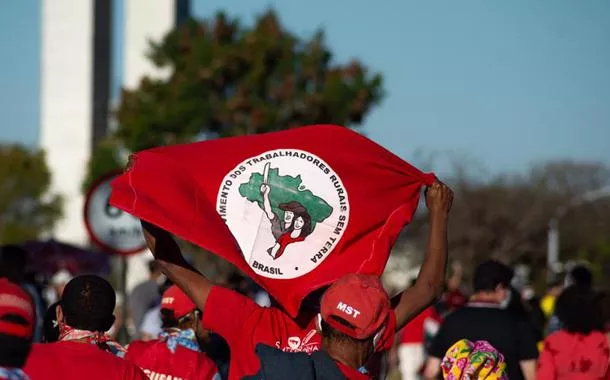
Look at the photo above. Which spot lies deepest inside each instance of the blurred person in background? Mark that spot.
(413, 341)
(17, 317)
(179, 350)
(50, 331)
(554, 289)
(145, 296)
(355, 318)
(453, 297)
(581, 348)
(83, 350)
(485, 318)
(603, 299)
(57, 284)
(151, 325)
(581, 277)
(13, 263)
(243, 324)
(521, 310)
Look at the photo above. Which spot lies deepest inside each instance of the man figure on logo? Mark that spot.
(83, 350)
(278, 227)
(178, 351)
(244, 324)
(355, 320)
(16, 329)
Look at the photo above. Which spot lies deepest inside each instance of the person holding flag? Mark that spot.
(354, 315)
(243, 324)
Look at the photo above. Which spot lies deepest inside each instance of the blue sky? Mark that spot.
(501, 83)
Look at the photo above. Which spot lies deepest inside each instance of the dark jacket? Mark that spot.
(280, 365)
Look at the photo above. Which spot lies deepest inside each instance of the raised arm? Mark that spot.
(431, 279)
(265, 189)
(167, 253)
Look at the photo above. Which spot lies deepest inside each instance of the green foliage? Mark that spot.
(105, 159)
(285, 189)
(230, 80)
(26, 210)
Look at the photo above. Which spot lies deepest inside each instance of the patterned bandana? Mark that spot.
(469, 361)
(12, 374)
(67, 333)
(185, 338)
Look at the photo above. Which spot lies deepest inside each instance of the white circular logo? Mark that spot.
(287, 209)
(110, 227)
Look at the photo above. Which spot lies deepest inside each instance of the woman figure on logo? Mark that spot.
(299, 229)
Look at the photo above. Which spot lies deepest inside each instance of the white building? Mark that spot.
(75, 87)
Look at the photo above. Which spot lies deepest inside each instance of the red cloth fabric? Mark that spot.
(351, 373)
(352, 195)
(156, 359)
(284, 240)
(574, 357)
(414, 331)
(73, 360)
(267, 325)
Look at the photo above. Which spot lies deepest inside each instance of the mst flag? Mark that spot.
(295, 210)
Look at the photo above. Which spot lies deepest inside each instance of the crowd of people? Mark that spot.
(186, 327)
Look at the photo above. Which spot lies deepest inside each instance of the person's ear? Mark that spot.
(59, 314)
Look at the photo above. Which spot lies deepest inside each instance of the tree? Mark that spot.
(26, 209)
(226, 79)
(506, 217)
(230, 80)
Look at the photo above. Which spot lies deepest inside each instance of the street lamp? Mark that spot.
(553, 234)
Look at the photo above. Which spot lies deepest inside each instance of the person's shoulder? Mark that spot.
(140, 347)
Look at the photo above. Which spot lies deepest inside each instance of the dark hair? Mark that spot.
(13, 350)
(153, 267)
(50, 330)
(169, 320)
(603, 300)
(338, 336)
(491, 273)
(299, 211)
(582, 276)
(88, 303)
(579, 311)
(13, 261)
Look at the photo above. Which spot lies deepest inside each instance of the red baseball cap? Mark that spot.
(15, 301)
(358, 299)
(174, 299)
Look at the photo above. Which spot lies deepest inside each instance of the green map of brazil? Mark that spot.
(286, 189)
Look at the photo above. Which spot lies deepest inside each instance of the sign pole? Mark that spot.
(114, 231)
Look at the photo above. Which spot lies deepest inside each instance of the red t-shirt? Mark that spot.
(574, 357)
(156, 359)
(74, 360)
(415, 331)
(244, 324)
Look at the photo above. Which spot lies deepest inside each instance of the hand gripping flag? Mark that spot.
(295, 210)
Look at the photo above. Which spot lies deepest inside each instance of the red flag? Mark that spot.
(295, 210)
